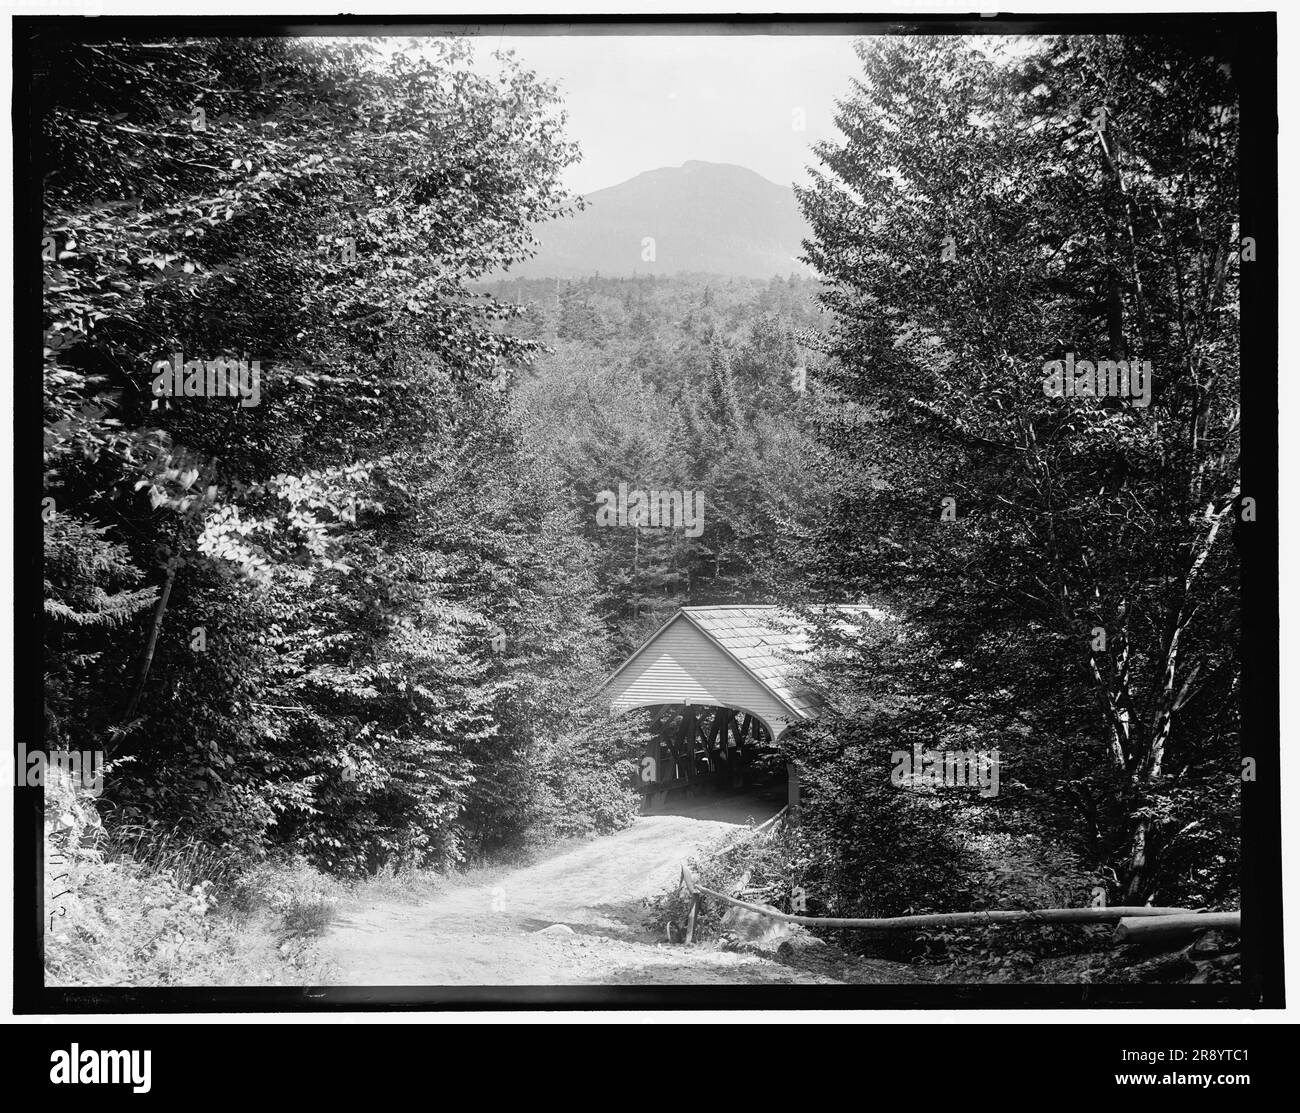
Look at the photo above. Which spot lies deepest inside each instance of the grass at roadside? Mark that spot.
(149, 909)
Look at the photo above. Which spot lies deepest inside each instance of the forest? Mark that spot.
(360, 625)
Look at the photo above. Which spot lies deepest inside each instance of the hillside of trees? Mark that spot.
(691, 383)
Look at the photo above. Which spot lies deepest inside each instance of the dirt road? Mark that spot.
(496, 933)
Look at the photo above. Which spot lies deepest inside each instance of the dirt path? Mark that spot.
(494, 933)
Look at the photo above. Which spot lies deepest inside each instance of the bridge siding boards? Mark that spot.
(737, 656)
(680, 663)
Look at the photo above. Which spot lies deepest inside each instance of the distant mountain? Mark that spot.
(701, 216)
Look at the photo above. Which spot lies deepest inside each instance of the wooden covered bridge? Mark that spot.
(724, 684)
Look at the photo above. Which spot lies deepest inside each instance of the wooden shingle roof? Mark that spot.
(765, 643)
(764, 640)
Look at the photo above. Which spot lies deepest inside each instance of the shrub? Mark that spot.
(304, 899)
(114, 919)
(777, 863)
(583, 782)
(1016, 867)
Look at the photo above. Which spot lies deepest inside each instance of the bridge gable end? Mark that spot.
(682, 664)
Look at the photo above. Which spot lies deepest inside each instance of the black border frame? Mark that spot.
(1253, 39)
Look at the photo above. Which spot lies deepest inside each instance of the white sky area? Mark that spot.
(640, 102)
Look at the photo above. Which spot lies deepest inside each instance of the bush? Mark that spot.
(583, 782)
(778, 863)
(304, 899)
(114, 919)
(873, 849)
(1016, 868)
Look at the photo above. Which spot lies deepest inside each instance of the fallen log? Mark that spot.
(1133, 930)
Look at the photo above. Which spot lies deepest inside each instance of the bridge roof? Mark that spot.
(751, 656)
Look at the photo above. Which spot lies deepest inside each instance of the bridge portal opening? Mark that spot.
(707, 750)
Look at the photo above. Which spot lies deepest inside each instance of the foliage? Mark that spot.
(692, 392)
(1064, 562)
(282, 612)
(776, 863)
(115, 919)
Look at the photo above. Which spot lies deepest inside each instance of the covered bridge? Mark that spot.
(724, 682)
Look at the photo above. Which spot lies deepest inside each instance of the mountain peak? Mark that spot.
(698, 164)
(697, 167)
(706, 217)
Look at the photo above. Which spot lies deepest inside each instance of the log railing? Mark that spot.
(1131, 920)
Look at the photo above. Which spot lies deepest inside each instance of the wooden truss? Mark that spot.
(700, 746)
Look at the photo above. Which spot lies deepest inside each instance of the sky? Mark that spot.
(637, 103)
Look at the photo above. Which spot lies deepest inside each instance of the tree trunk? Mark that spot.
(1169, 697)
(154, 628)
